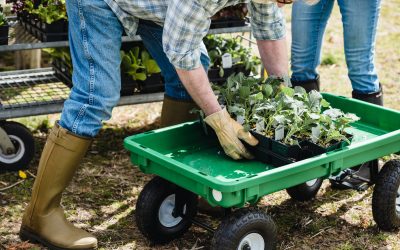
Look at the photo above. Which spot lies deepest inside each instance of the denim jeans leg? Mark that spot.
(360, 20)
(308, 27)
(95, 40)
(151, 35)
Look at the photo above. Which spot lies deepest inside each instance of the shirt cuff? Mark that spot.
(187, 61)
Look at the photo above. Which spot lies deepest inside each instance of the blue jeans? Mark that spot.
(359, 19)
(95, 41)
(151, 35)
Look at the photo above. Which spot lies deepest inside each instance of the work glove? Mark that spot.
(229, 132)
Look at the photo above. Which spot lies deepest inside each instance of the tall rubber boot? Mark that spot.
(177, 111)
(44, 220)
(353, 178)
(308, 85)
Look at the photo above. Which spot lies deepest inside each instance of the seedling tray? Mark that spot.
(214, 77)
(183, 155)
(227, 23)
(4, 34)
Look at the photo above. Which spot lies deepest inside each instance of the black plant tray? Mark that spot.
(4, 34)
(49, 37)
(63, 71)
(57, 31)
(313, 149)
(214, 77)
(128, 85)
(152, 84)
(227, 23)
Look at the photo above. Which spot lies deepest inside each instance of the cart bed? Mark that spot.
(183, 155)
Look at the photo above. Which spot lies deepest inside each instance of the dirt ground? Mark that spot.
(102, 196)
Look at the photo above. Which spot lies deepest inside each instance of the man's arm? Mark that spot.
(268, 26)
(186, 24)
(274, 56)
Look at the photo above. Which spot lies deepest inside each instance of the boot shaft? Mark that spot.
(177, 111)
(60, 158)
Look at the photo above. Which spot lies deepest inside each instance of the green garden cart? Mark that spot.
(188, 165)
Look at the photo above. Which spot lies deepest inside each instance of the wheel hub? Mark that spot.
(17, 155)
(252, 241)
(398, 201)
(311, 182)
(165, 213)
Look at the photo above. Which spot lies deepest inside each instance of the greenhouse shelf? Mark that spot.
(33, 43)
(39, 91)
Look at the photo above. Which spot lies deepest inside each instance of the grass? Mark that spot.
(102, 196)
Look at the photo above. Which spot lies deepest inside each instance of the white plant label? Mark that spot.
(227, 61)
(279, 133)
(316, 132)
(240, 119)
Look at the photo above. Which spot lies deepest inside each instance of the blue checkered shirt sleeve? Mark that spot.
(186, 24)
(267, 21)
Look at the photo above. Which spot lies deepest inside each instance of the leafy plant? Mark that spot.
(49, 11)
(138, 67)
(288, 115)
(218, 46)
(17, 6)
(3, 20)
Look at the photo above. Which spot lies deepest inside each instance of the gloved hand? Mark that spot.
(229, 132)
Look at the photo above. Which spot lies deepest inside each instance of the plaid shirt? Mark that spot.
(186, 22)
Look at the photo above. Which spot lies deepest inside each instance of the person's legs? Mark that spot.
(95, 40)
(177, 102)
(359, 25)
(308, 27)
(360, 20)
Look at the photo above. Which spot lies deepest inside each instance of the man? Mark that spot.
(95, 40)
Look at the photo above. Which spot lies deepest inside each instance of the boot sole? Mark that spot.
(27, 235)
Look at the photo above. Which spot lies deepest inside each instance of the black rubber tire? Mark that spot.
(18, 134)
(305, 192)
(241, 223)
(386, 191)
(148, 206)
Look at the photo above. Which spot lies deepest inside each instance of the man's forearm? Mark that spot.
(274, 56)
(197, 84)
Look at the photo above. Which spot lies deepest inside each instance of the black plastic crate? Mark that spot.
(4, 34)
(152, 84)
(227, 23)
(214, 77)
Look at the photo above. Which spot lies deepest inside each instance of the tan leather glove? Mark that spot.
(229, 132)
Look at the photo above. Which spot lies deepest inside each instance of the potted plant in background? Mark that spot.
(4, 28)
(137, 65)
(232, 16)
(229, 56)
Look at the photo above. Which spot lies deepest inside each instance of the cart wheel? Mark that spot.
(305, 191)
(386, 197)
(245, 229)
(155, 207)
(24, 145)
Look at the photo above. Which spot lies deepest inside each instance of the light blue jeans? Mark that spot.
(95, 41)
(359, 19)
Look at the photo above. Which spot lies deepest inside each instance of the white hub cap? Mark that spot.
(12, 158)
(398, 201)
(165, 212)
(252, 241)
(311, 182)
